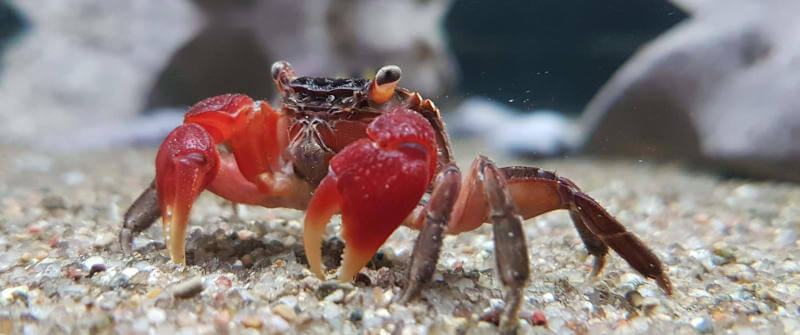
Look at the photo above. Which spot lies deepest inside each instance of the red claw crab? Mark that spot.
(378, 155)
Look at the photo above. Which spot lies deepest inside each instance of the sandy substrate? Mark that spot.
(730, 246)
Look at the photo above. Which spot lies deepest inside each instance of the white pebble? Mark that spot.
(130, 272)
(92, 261)
(156, 315)
(335, 297)
(702, 325)
(277, 323)
(548, 297)
(497, 303)
(7, 295)
(288, 300)
(388, 295)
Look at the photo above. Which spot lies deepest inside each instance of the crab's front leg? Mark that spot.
(188, 163)
(375, 183)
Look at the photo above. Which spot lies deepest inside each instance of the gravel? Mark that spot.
(730, 247)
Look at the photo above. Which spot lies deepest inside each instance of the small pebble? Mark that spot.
(548, 297)
(100, 267)
(12, 293)
(25, 257)
(702, 325)
(492, 316)
(635, 298)
(92, 261)
(103, 241)
(53, 241)
(223, 281)
(335, 297)
(154, 292)
(497, 303)
(286, 312)
(53, 203)
(247, 261)
(188, 288)
(252, 321)
(222, 320)
(538, 319)
(649, 304)
(356, 315)
(288, 300)
(73, 272)
(245, 235)
(34, 229)
(130, 272)
(156, 315)
(277, 324)
(739, 273)
(362, 279)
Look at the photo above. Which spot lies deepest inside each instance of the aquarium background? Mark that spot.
(689, 81)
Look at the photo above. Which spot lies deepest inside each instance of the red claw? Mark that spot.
(186, 163)
(221, 115)
(375, 184)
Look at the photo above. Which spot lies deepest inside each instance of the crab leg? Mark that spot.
(429, 242)
(505, 197)
(596, 227)
(375, 184)
(141, 215)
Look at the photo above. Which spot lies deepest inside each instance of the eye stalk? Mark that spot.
(382, 88)
(282, 73)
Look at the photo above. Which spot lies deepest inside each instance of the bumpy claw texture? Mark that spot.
(186, 163)
(375, 184)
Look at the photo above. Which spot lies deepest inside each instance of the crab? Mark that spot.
(378, 155)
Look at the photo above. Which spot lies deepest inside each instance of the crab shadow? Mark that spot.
(228, 251)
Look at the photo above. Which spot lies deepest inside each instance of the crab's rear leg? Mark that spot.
(455, 204)
(597, 228)
(505, 197)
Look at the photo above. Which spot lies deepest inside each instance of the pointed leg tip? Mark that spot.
(126, 241)
(408, 293)
(664, 283)
(597, 266)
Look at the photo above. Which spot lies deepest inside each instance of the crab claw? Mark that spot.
(186, 163)
(375, 183)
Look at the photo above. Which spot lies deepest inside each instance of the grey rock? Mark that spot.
(188, 288)
(722, 89)
(53, 202)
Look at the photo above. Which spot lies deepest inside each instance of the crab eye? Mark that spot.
(388, 74)
(278, 67)
(385, 82)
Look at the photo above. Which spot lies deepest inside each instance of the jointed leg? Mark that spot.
(511, 252)
(429, 242)
(594, 245)
(485, 192)
(500, 196)
(596, 227)
(141, 215)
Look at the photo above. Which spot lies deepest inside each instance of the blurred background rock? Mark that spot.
(705, 81)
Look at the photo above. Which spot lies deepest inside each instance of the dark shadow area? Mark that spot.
(217, 61)
(12, 23)
(549, 55)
